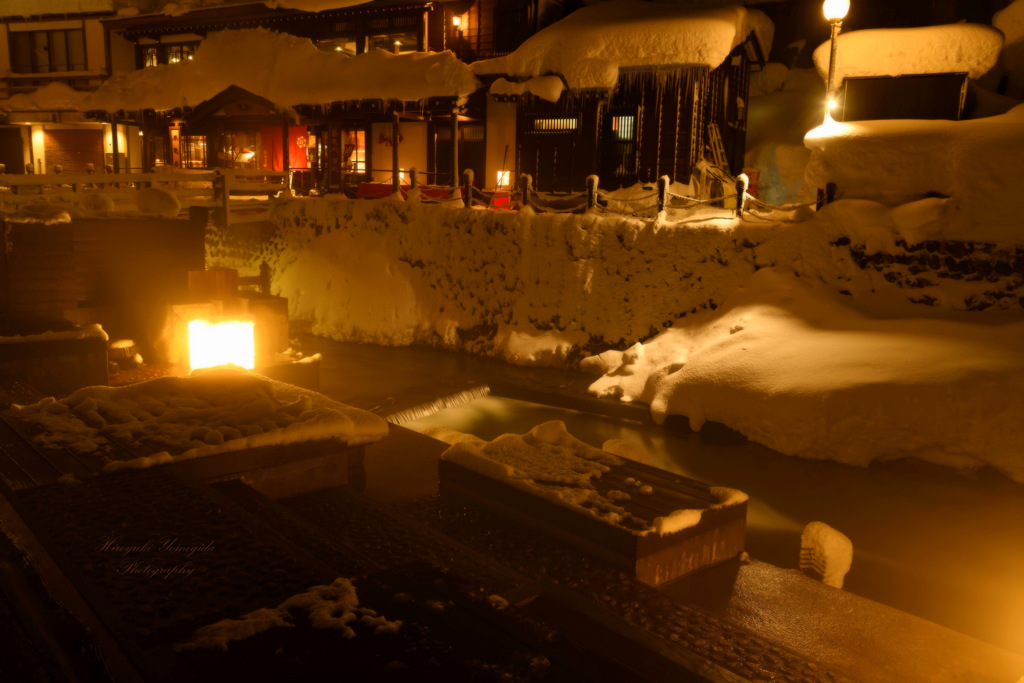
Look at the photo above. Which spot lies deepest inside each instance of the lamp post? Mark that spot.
(835, 11)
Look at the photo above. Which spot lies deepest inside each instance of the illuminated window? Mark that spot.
(623, 127)
(392, 42)
(555, 125)
(195, 151)
(180, 53)
(354, 154)
(503, 177)
(150, 56)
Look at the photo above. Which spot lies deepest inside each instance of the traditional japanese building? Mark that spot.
(56, 47)
(627, 89)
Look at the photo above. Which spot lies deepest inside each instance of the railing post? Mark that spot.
(526, 182)
(662, 193)
(395, 182)
(741, 194)
(222, 197)
(592, 181)
(414, 191)
(830, 193)
(467, 184)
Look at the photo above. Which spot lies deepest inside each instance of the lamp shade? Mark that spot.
(835, 10)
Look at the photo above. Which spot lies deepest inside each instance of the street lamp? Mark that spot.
(835, 11)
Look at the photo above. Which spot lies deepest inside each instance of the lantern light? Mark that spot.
(835, 10)
(457, 21)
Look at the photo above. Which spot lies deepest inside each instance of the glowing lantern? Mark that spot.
(835, 10)
(221, 342)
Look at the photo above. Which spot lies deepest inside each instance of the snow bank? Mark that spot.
(286, 70)
(215, 411)
(977, 163)
(590, 46)
(795, 369)
(952, 48)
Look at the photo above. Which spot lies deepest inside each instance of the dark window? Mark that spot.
(34, 52)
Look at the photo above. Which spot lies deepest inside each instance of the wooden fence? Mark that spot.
(235, 196)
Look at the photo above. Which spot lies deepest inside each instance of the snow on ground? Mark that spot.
(591, 45)
(284, 69)
(551, 464)
(214, 411)
(975, 163)
(952, 48)
(328, 607)
(795, 369)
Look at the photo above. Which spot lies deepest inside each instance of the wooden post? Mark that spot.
(113, 143)
(741, 196)
(455, 147)
(662, 193)
(591, 192)
(395, 183)
(222, 197)
(286, 153)
(526, 181)
(830, 193)
(467, 182)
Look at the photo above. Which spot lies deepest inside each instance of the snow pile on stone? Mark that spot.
(976, 163)
(327, 607)
(590, 46)
(285, 69)
(826, 552)
(550, 463)
(219, 410)
(795, 369)
(953, 48)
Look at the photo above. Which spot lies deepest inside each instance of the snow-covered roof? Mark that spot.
(54, 96)
(590, 46)
(952, 48)
(286, 70)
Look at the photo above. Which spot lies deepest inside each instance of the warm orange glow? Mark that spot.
(457, 21)
(213, 343)
(835, 10)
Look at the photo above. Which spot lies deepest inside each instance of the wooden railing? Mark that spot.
(234, 196)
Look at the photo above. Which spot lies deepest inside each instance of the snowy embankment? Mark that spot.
(862, 333)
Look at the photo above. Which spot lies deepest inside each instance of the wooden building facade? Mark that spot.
(657, 121)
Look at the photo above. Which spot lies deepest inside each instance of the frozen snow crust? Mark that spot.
(861, 333)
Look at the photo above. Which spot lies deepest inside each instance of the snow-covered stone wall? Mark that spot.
(548, 289)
